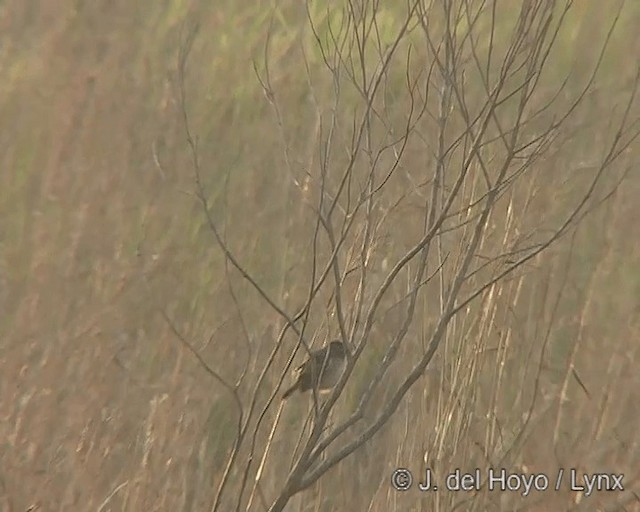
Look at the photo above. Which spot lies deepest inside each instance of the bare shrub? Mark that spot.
(441, 176)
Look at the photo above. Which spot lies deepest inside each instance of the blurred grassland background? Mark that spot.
(99, 229)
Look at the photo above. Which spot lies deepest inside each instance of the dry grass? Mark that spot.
(101, 235)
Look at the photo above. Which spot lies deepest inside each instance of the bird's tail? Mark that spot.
(289, 391)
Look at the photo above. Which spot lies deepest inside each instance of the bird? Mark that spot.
(321, 370)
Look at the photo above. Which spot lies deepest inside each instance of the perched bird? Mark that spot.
(321, 370)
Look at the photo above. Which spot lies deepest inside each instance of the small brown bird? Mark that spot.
(321, 370)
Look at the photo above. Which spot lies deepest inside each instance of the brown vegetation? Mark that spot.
(194, 196)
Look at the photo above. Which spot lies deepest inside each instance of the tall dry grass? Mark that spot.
(124, 329)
